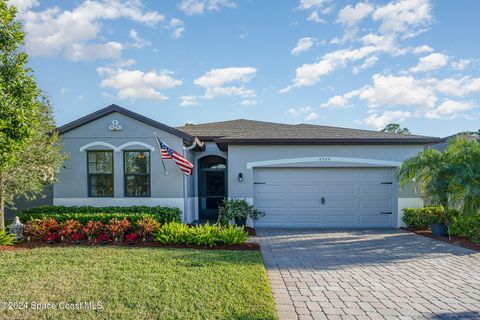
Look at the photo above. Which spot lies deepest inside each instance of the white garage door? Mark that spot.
(325, 197)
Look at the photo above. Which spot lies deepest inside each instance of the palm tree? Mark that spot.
(449, 178)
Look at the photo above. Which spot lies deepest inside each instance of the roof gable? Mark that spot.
(114, 108)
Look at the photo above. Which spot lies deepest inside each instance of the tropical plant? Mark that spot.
(237, 208)
(174, 233)
(146, 227)
(117, 228)
(232, 235)
(467, 226)
(93, 228)
(68, 228)
(7, 239)
(431, 174)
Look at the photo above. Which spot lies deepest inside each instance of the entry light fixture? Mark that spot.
(240, 177)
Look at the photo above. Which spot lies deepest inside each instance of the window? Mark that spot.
(137, 173)
(100, 173)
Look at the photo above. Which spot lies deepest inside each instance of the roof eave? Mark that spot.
(329, 141)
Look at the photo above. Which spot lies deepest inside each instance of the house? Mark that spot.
(298, 175)
(443, 144)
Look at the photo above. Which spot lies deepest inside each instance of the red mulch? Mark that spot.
(38, 244)
(456, 240)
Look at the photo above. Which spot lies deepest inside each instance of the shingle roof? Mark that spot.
(258, 132)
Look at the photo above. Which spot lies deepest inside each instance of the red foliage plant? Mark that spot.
(131, 237)
(77, 236)
(147, 226)
(117, 228)
(102, 238)
(51, 237)
(93, 228)
(68, 228)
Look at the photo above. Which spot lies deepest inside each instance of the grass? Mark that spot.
(136, 283)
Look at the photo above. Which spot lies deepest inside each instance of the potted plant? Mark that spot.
(439, 220)
(238, 210)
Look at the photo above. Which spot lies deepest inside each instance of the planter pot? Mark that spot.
(439, 229)
(240, 221)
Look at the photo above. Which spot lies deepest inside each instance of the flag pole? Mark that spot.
(160, 153)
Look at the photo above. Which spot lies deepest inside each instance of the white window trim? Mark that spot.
(116, 149)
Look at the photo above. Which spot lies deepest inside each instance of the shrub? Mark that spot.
(237, 208)
(421, 217)
(68, 228)
(174, 233)
(146, 227)
(131, 238)
(84, 214)
(467, 226)
(7, 239)
(93, 228)
(203, 235)
(48, 229)
(232, 235)
(31, 230)
(117, 228)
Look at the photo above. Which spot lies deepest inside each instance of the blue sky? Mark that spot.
(360, 64)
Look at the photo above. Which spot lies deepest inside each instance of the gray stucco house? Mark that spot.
(299, 175)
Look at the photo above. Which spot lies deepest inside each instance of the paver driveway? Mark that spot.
(388, 274)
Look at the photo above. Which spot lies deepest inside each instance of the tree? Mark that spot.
(395, 128)
(37, 163)
(449, 178)
(20, 97)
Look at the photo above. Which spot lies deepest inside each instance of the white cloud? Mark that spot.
(431, 62)
(133, 84)
(456, 87)
(379, 121)
(177, 27)
(249, 102)
(314, 17)
(23, 5)
(91, 52)
(312, 4)
(303, 45)
(449, 109)
(403, 16)
(461, 64)
(335, 101)
(138, 42)
(312, 116)
(368, 63)
(197, 7)
(218, 82)
(351, 16)
(73, 32)
(187, 101)
(399, 91)
(422, 49)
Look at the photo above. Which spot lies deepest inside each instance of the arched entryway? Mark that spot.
(212, 186)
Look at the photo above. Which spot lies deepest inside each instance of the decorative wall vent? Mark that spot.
(115, 126)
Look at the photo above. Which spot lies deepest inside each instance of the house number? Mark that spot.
(324, 159)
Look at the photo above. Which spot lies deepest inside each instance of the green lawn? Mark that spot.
(136, 283)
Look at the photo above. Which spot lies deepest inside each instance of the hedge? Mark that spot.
(104, 214)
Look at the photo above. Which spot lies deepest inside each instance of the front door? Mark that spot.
(212, 186)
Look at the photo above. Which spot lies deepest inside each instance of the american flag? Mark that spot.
(168, 153)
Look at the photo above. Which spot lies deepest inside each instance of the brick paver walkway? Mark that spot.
(388, 274)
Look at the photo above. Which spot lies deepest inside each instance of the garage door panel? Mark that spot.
(339, 188)
(375, 219)
(272, 188)
(339, 219)
(375, 189)
(354, 197)
(375, 204)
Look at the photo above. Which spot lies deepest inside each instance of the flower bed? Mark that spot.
(145, 232)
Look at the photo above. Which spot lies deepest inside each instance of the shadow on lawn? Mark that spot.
(333, 249)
